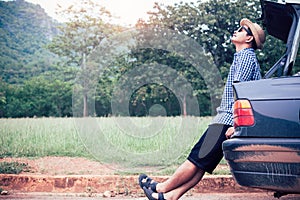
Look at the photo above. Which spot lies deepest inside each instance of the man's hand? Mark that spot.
(229, 132)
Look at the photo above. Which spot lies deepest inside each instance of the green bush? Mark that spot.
(13, 167)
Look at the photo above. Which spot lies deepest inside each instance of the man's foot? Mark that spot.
(147, 182)
(149, 193)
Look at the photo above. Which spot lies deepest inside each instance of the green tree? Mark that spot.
(85, 27)
(151, 75)
(3, 88)
(38, 97)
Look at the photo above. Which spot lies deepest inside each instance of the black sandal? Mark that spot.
(149, 192)
(147, 182)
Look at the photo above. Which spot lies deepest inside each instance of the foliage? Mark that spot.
(82, 32)
(30, 84)
(12, 167)
(170, 91)
(25, 28)
(80, 35)
(38, 97)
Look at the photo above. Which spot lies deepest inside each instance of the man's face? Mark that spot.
(241, 35)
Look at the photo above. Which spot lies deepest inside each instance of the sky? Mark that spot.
(128, 11)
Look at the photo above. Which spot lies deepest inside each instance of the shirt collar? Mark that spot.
(245, 49)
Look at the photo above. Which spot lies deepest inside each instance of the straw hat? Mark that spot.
(257, 31)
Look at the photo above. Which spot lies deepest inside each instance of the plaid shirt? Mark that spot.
(244, 67)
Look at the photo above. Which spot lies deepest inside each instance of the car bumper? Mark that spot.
(265, 163)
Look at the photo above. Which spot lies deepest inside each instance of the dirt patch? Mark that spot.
(63, 166)
(81, 166)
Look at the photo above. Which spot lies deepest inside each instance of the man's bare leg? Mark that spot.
(181, 190)
(184, 178)
(185, 173)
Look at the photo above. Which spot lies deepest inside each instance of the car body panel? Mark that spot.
(266, 163)
(276, 88)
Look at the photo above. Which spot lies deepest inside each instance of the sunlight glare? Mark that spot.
(126, 12)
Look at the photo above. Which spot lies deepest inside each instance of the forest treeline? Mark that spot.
(46, 66)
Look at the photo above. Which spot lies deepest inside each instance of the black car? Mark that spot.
(264, 151)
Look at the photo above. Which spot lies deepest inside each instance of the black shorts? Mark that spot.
(207, 152)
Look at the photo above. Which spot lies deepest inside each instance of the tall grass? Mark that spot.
(39, 137)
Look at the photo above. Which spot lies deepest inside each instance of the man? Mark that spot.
(207, 153)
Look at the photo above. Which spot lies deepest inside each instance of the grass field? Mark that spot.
(30, 137)
(125, 141)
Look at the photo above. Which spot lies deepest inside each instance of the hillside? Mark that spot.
(25, 29)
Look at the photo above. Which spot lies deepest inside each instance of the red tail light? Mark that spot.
(243, 115)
